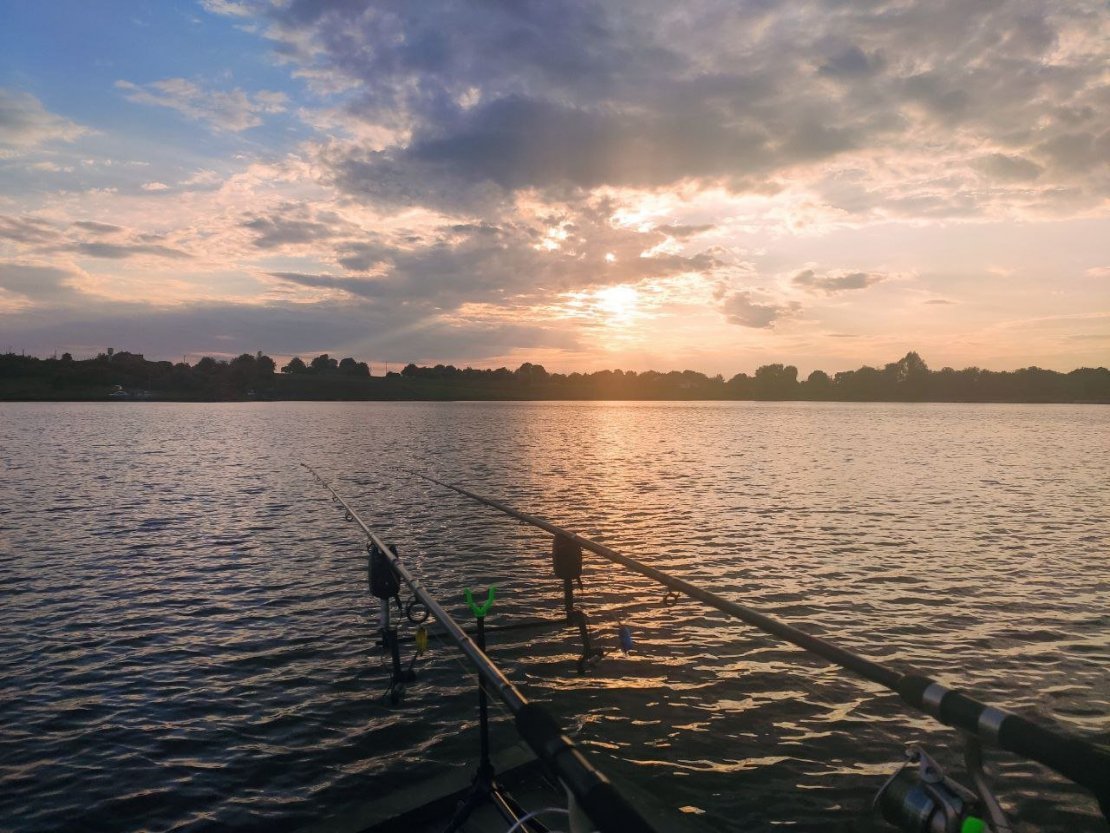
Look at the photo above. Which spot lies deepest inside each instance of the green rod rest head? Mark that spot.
(481, 611)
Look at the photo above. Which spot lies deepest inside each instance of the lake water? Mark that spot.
(186, 637)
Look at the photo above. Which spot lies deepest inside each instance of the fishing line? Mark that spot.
(624, 610)
(820, 699)
(670, 600)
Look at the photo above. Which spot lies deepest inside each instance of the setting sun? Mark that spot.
(618, 303)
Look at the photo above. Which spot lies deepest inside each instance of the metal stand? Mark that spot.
(973, 760)
(399, 677)
(485, 787)
(590, 654)
(485, 768)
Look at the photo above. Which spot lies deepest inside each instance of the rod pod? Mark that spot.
(593, 793)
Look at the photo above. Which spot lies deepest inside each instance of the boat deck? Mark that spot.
(427, 807)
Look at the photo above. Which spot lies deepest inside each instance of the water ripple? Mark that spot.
(187, 643)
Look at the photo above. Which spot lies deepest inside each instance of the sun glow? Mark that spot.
(618, 303)
(611, 306)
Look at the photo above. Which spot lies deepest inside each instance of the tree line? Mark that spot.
(130, 375)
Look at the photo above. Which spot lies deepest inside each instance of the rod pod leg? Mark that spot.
(485, 767)
(483, 787)
(399, 677)
(590, 654)
(973, 760)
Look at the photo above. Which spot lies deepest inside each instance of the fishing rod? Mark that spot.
(589, 788)
(1076, 758)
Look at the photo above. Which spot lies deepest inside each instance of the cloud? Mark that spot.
(1078, 151)
(364, 330)
(25, 123)
(851, 63)
(483, 101)
(227, 7)
(470, 104)
(1007, 168)
(505, 264)
(52, 167)
(833, 283)
(27, 230)
(40, 237)
(119, 251)
(231, 111)
(492, 151)
(520, 257)
(97, 228)
(293, 224)
(742, 309)
(203, 178)
(685, 232)
(35, 282)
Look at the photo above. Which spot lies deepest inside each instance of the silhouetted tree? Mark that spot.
(908, 378)
(323, 364)
(1087, 384)
(295, 366)
(865, 384)
(244, 372)
(775, 381)
(818, 385)
(740, 386)
(530, 373)
(349, 367)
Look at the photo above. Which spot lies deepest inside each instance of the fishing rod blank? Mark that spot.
(1076, 758)
(594, 793)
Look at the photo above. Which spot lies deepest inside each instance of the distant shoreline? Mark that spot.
(129, 377)
(509, 399)
(600, 399)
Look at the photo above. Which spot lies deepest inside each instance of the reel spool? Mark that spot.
(921, 798)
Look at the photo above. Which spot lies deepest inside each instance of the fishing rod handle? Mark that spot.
(1084, 762)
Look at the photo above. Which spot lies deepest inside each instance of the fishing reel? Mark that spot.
(921, 798)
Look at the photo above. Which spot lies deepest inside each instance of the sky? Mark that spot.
(710, 185)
